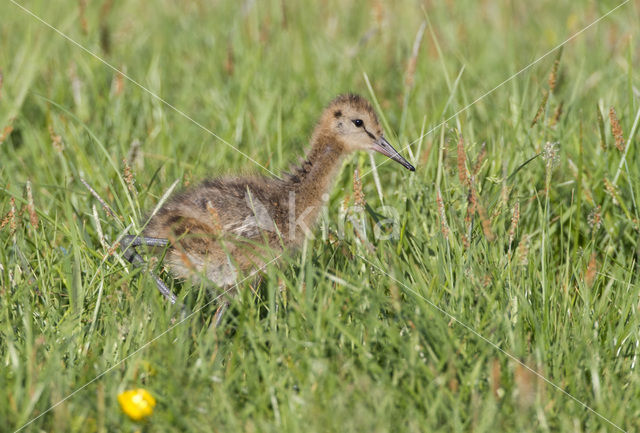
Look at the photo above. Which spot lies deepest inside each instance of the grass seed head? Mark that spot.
(550, 154)
(33, 216)
(595, 218)
(486, 223)
(468, 219)
(345, 203)
(443, 217)
(590, 274)
(462, 163)
(556, 114)
(10, 217)
(515, 217)
(523, 250)
(611, 190)
(480, 159)
(540, 112)
(358, 195)
(128, 176)
(56, 140)
(616, 129)
(553, 75)
(117, 85)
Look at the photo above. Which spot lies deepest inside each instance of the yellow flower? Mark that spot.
(137, 403)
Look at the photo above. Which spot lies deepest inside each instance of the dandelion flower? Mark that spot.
(137, 403)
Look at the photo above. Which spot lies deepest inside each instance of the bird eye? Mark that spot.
(358, 123)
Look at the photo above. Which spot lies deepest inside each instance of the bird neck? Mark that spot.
(316, 175)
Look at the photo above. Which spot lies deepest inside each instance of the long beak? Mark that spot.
(382, 145)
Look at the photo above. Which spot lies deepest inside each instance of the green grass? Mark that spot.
(330, 342)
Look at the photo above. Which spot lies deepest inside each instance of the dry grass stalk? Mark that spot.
(96, 220)
(33, 216)
(462, 163)
(358, 195)
(616, 129)
(93, 192)
(110, 250)
(1, 82)
(540, 112)
(443, 217)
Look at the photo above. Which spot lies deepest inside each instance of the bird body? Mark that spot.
(231, 225)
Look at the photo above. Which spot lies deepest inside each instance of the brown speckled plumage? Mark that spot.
(232, 225)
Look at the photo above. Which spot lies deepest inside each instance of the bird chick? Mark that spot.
(228, 226)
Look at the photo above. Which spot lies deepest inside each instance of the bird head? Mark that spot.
(353, 122)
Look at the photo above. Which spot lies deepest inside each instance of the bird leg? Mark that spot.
(224, 304)
(129, 244)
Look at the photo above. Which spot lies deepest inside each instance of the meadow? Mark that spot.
(503, 296)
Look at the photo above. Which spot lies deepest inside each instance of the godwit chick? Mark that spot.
(231, 225)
